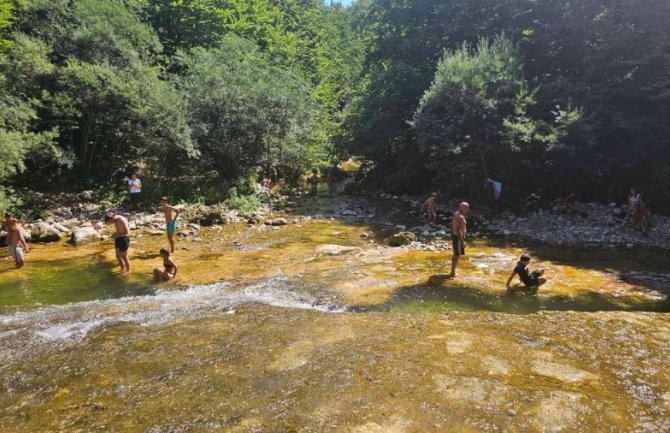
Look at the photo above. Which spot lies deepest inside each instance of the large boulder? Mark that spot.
(402, 238)
(43, 232)
(84, 234)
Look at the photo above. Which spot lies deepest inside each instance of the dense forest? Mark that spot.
(548, 97)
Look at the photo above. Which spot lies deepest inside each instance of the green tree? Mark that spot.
(478, 104)
(6, 19)
(244, 110)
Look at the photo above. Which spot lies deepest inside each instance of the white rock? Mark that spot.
(84, 234)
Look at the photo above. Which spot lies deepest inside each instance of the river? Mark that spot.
(318, 326)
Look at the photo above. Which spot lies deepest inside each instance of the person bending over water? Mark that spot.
(171, 214)
(530, 279)
(170, 268)
(429, 206)
(16, 240)
(121, 239)
(458, 231)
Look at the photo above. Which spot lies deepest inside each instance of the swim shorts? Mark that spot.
(122, 243)
(16, 253)
(457, 246)
(171, 226)
(533, 279)
(135, 197)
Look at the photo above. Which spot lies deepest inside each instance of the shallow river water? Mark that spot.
(310, 327)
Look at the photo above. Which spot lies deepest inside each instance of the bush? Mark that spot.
(245, 204)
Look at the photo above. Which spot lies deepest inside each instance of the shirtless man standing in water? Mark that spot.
(16, 240)
(458, 230)
(121, 239)
(171, 213)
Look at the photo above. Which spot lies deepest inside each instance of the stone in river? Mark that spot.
(84, 234)
(402, 238)
(43, 232)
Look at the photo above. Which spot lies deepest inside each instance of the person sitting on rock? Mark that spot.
(429, 206)
(530, 279)
(169, 271)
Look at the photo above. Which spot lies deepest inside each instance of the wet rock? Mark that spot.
(83, 235)
(43, 232)
(210, 218)
(156, 232)
(277, 222)
(402, 238)
(335, 250)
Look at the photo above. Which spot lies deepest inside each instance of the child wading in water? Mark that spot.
(170, 269)
(530, 279)
(429, 206)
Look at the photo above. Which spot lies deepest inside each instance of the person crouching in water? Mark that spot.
(169, 271)
(531, 279)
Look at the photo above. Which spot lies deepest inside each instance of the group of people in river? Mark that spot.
(17, 245)
(531, 280)
(122, 240)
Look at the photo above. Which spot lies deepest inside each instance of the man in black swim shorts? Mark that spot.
(121, 239)
(458, 231)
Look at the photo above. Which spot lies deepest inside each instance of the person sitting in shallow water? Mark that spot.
(170, 269)
(529, 279)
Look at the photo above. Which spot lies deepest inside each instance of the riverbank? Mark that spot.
(78, 217)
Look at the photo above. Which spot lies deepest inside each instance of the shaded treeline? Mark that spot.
(547, 96)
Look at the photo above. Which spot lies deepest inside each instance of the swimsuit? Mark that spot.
(530, 279)
(170, 270)
(457, 246)
(122, 243)
(16, 252)
(171, 226)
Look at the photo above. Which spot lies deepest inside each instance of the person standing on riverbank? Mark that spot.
(121, 238)
(16, 240)
(135, 188)
(458, 231)
(171, 213)
(429, 206)
(314, 181)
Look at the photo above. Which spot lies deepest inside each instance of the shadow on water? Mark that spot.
(440, 294)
